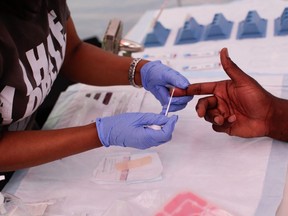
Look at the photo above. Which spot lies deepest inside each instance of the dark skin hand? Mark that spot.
(240, 106)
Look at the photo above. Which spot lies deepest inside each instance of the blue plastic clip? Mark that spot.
(252, 27)
(189, 33)
(157, 37)
(281, 24)
(220, 28)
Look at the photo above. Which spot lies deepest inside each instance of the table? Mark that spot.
(242, 176)
(236, 174)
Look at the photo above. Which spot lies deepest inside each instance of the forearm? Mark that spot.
(92, 65)
(278, 120)
(30, 148)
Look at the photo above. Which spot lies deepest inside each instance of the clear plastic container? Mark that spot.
(11, 205)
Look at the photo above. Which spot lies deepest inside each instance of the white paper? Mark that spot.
(82, 104)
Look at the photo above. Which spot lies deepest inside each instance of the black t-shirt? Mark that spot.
(32, 48)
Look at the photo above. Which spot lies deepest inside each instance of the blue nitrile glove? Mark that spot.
(130, 129)
(156, 77)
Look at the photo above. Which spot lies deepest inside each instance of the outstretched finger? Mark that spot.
(196, 89)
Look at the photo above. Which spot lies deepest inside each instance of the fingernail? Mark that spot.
(227, 53)
(232, 118)
(217, 120)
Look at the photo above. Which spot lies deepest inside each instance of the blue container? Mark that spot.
(220, 28)
(191, 32)
(281, 24)
(252, 27)
(157, 37)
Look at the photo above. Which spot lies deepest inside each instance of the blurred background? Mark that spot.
(91, 17)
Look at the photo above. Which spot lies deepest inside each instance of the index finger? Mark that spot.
(196, 89)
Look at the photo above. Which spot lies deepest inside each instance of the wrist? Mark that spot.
(137, 77)
(277, 120)
(134, 75)
(101, 132)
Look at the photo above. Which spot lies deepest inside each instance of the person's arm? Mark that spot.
(240, 106)
(22, 149)
(278, 120)
(89, 64)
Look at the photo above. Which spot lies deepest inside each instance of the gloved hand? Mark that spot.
(130, 129)
(155, 78)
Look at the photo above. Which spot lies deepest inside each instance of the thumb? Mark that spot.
(168, 128)
(231, 69)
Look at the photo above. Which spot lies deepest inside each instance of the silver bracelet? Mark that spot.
(131, 72)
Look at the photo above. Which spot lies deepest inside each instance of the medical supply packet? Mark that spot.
(188, 203)
(128, 168)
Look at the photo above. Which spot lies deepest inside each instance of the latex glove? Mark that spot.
(130, 129)
(155, 78)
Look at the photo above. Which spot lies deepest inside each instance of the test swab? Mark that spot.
(170, 100)
(159, 127)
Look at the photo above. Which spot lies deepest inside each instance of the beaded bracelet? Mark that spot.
(131, 74)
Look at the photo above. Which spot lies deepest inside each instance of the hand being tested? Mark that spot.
(130, 130)
(238, 107)
(156, 77)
